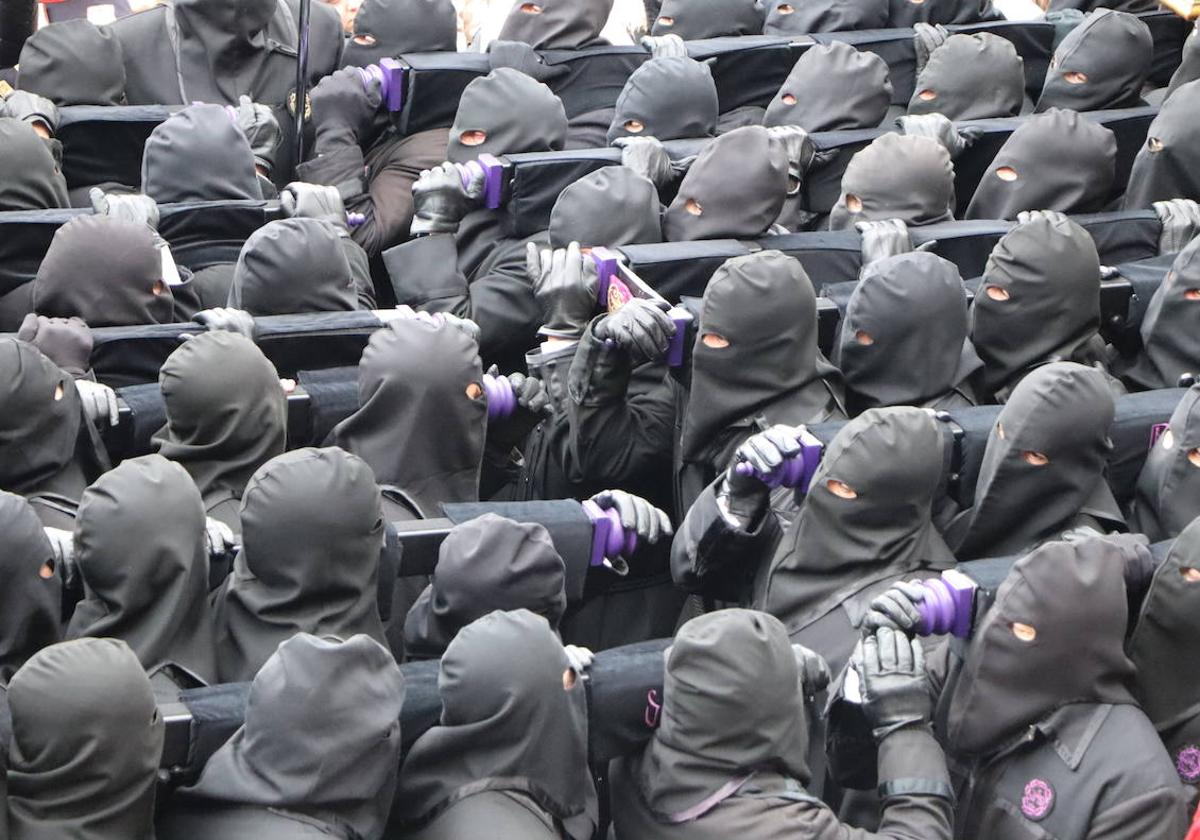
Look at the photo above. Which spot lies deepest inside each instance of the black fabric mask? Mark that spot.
(1168, 166)
(1006, 684)
(904, 335)
(971, 77)
(321, 737)
(416, 425)
(226, 413)
(509, 723)
(292, 266)
(142, 554)
(312, 529)
(1167, 498)
(670, 98)
(897, 177)
(486, 564)
(107, 272)
(833, 87)
(29, 177)
(693, 20)
(395, 27)
(1189, 67)
(892, 458)
(73, 63)
(734, 190)
(223, 48)
(516, 113)
(31, 609)
(772, 365)
(86, 742)
(1058, 160)
(1049, 274)
(613, 206)
(1101, 64)
(1171, 326)
(906, 13)
(556, 24)
(1061, 411)
(790, 17)
(198, 154)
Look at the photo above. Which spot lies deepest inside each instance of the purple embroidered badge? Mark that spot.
(1038, 800)
(1187, 762)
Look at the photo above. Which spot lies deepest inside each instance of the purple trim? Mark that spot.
(653, 710)
(1038, 800)
(1187, 764)
(709, 802)
(1156, 431)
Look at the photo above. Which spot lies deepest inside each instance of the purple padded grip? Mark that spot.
(501, 401)
(609, 539)
(795, 472)
(390, 74)
(493, 178)
(948, 606)
(608, 265)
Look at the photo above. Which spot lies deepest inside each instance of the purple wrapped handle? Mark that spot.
(610, 540)
(501, 401)
(613, 293)
(493, 178)
(948, 606)
(795, 472)
(390, 74)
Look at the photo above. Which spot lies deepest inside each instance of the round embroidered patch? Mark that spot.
(1187, 762)
(1038, 800)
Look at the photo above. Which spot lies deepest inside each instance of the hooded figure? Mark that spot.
(388, 28)
(1167, 166)
(513, 112)
(510, 750)
(317, 755)
(694, 20)
(1038, 302)
(226, 417)
(904, 338)
(896, 177)
(486, 564)
(1058, 160)
(734, 190)
(73, 63)
(788, 17)
(1167, 498)
(107, 272)
(1043, 468)
(47, 452)
(971, 77)
(199, 154)
(753, 365)
(292, 266)
(141, 552)
(31, 612)
(1100, 65)
(612, 206)
(1189, 67)
(556, 24)
(669, 99)
(833, 87)
(312, 530)
(86, 742)
(1170, 348)
(1039, 712)
(29, 177)
(1162, 649)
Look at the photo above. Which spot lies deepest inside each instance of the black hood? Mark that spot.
(670, 98)
(556, 24)
(790, 17)
(223, 47)
(516, 113)
(833, 87)
(897, 177)
(1167, 498)
(1101, 64)
(394, 27)
(1168, 165)
(292, 266)
(613, 206)
(198, 154)
(29, 177)
(73, 63)
(693, 20)
(1171, 326)
(971, 77)
(31, 608)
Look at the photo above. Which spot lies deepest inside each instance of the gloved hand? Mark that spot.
(928, 38)
(219, 537)
(938, 128)
(65, 341)
(31, 108)
(799, 149)
(637, 515)
(640, 328)
(440, 201)
(882, 239)
(99, 402)
(62, 543)
(579, 657)
(1180, 219)
(463, 325)
(313, 201)
(135, 208)
(664, 46)
(896, 608)
(530, 393)
(261, 128)
(523, 58)
(226, 319)
(1052, 216)
(344, 108)
(744, 496)
(814, 671)
(895, 693)
(565, 283)
(647, 157)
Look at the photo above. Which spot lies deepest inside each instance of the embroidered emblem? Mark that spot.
(653, 709)
(1038, 800)
(1187, 762)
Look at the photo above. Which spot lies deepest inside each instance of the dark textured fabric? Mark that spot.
(388, 28)
(971, 77)
(29, 177)
(613, 206)
(31, 609)
(833, 87)
(292, 266)
(516, 113)
(670, 99)
(198, 154)
(897, 177)
(1113, 50)
(693, 20)
(73, 63)
(1168, 165)
(788, 17)
(1168, 488)
(1170, 343)
(556, 24)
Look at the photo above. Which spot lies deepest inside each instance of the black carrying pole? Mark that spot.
(302, 78)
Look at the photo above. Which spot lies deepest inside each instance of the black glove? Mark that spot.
(226, 319)
(65, 341)
(814, 671)
(647, 157)
(344, 108)
(939, 129)
(530, 393)
(31, 108)
(664, 46)
(882, 239)
(565, 283)
(313, 201)
(440, 201)
(636, 514)
(1052, 216)
(895, 692)
(798, 147)
(463, 325)
(261, 128)
(927, 38)
(744, 496)
(896, 608)
(136, 208)
(1180, 219)
(639, 327)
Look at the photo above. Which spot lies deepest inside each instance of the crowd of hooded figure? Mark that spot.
(797, 699)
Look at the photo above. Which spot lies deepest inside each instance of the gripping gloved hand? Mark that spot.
(744, 496)
(99, 402)
(882, 239)
(638, 515)
(65, 341)
(799, 149)
(313, 201)
(814, 671)
(896, 608)
(261, 128)
(218, 536)
(226, 319)
(647, 157)
(895, 693)
(664, 46)
(344, 108)
(31, 108)
(927, 38)
(639, 327)
(135, 208)
(1180, 219)
(938, 128)
(565, 283)
(62, 543)
(440, 201)
(579, 657)
(530, 393)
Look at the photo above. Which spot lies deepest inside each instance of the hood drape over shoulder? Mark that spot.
(31, 604)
